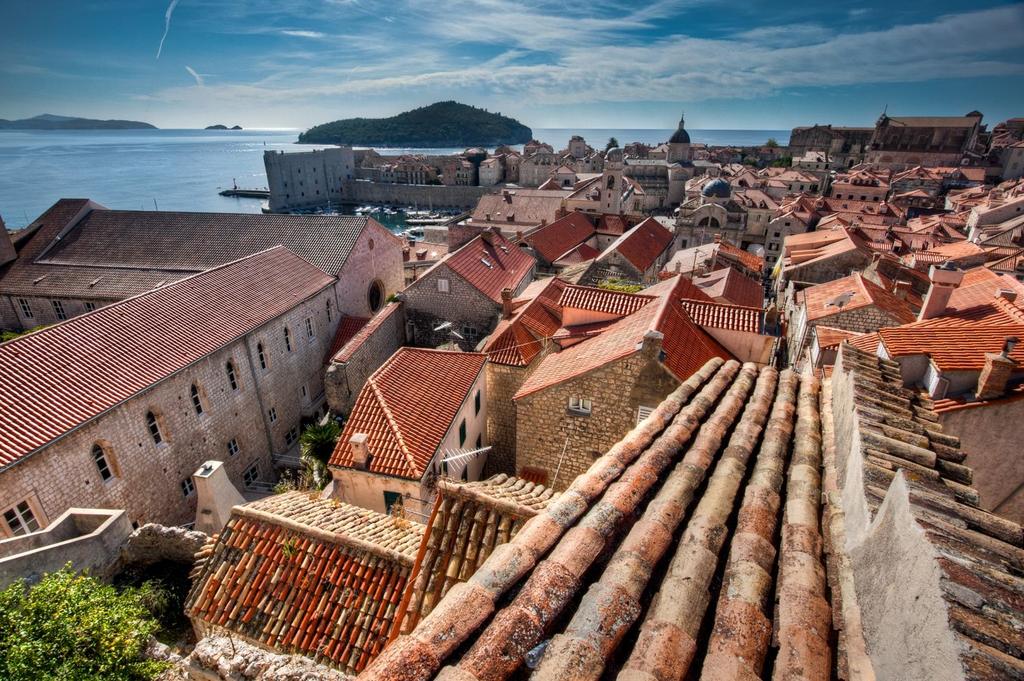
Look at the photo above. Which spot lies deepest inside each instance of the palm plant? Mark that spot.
(316, 444)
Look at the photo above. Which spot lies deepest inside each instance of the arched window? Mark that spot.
(328, 310)
(611, 182)
(103, 462)
(261, 355)
(287, 339)
(154, 428)
(375, 296)
(197, 403)
(229, 368)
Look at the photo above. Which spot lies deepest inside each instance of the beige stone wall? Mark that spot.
(368, 263)
(43, 311)
(502, 383)
(545, 427)
(148, 476)
(344, 380)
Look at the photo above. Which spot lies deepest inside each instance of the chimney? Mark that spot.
(496, 229)
(7, 250)
(519, 235)
(902, 289)
(1006, 293)
(360, 451)
(215, 497)
(945, 279)
(412, 242)
(718, 238)
(998, 366)
(488, 216)
(506, 303)
(507, 195)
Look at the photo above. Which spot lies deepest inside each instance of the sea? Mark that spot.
(185, 169)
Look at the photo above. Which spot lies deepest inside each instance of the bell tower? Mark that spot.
(679, 143)
(611, 182)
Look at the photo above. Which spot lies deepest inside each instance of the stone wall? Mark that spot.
(831, 269)
(545, 427)
(502, 383)
(472, 314)
(148, 476)
(44, 311)
(307, 179)
(225, 658)
(344, 380)
(376, 256)
(422, 195)
(154, 543)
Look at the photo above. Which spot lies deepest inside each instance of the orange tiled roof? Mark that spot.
(979, 286)
(729, 285)
(517, 341)
(724, 315)
(407, 406)
(575, 256)
(491, 263)
(831, 337)
(752, 262)
(643, 244)
(851, 293)
(602, 300)
(553, 241)
(59, 378)
(348, 327)
(304, 575)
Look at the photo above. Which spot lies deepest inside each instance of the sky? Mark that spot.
(759, 64)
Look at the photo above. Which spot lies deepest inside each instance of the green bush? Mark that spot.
(73, 627)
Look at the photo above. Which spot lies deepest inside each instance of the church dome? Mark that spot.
(717, 188)
(680, 136)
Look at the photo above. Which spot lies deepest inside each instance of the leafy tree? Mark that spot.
(317, 444)
(612, 142)
(73, 627)
(621, 285)
(771, 143)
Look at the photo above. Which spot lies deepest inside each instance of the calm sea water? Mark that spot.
(184, 169)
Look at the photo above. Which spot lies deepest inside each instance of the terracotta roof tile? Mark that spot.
(60, 377)
(831, 337)
(852, 293)
(517, 341)
(602, 300)
(579, 254)
(555, 240)
(728, 285)
(348, 327)
(643, 244)
(309, 576)
(724, 315)
(979, 286)
(491, 263)
(406, 407)
(344, 353)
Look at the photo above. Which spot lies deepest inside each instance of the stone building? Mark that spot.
(822, 256)
(853, 303)
(903, 142)
(116, 408)
(845, 146)
(79, 256)
(492, 171)
(511, 211)
(422, 415)
(636, 256)
(580, 400)
(460, 299)
(553, 243)
(361, 354)
(308, 179)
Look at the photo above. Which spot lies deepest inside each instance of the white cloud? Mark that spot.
(167, 26)
(199, 78)
(304, 34)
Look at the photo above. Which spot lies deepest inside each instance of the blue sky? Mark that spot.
(551, 63)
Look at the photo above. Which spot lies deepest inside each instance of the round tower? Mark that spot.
(679, 143)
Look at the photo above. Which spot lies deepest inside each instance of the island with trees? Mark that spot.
(443, 124)
(52, 122)
(221, 126)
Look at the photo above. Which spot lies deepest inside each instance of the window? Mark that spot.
(305, 391)
(272, 413)
(375, 296)
(232, 447)
(20, 519)
(442, 286)
(89, 306)
(26, 309)
(188, 488)
(197, 403)
(479, 440)
(390, 499)
(287, 339)
(154, 428)
(58, 309)
(580, 405)
(309, 327)
(229, 369)
(328, 310)
(102, 463)
(476, 403)
(462, 432)
(292, 436)
(262, 356)
(643, 412)
(251, 475)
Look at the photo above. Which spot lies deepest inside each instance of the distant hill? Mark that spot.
(51, 122)
(444, 124)
(220, 126)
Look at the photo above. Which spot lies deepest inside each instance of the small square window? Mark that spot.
(58, 309)
(188, 488)
(26, 309)
(272, 413)
(89, 306)
(443, 286)
(232, 447)
(292, 436)
(580, 405)
(251, 475)
(20, 519)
